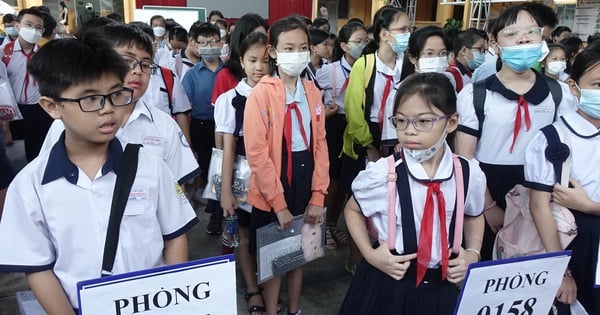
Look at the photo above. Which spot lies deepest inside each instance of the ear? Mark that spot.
(412, 59)
(384, 36)
(50, 107)
(345, 47)
(496, 48)
(573, 88)
(272, 51)
(452, 123)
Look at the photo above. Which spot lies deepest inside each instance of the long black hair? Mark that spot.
(344, 35)
(244, 26)
(384, 17)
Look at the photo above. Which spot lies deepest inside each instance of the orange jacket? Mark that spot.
(264, 117)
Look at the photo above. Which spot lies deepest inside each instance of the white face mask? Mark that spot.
(223, 33)
(424, 155)
(545, 51)
(293, 63)
(556, 67)
(30, 35)
(159, 31)
(432, 64)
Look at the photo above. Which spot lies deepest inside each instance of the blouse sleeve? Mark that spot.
(370, 188)
(467, 119)
(477, 185)
(539, 173)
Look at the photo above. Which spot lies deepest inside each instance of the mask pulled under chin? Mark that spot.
(424, 155)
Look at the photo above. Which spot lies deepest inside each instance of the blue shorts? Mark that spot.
(7, 173)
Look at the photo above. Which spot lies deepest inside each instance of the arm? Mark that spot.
(49, 292)
(380, 258)
(539, 205)
(176, 250)
(183, 120)
(457, 267)
(255, 138)
(228, 202)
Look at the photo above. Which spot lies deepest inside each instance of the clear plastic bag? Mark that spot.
(8, 103)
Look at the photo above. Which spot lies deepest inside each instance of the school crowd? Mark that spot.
(416, 135)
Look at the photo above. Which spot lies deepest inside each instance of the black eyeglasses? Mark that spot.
(94, 103)
(145, 66)
(420, 124)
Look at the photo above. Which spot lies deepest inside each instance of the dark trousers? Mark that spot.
(202, 133)
(36, 123)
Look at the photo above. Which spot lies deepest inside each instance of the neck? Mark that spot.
(289, 82)
(128, 112)
(88, 156)
(212, 65)
(315, 60)
(250, 82)
(349, 59)
(159, 39)
(432, 164)
(27, 47)
(464, 62)
(190, 55)
(387, 55)
(553, 76)
(509, 74)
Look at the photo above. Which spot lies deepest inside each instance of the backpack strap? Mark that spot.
(479, 92)
(392, 179)
(169, 80)
(8, 51)
(461, 176)
(457, 77)
(556, 92)
(125, 178)
(369, 84)
(557, 153)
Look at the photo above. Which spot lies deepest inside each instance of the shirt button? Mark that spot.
(302, 165)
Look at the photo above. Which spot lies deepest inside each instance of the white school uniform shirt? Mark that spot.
(180, 64)
(17, 71)
(156, 95)
(55, 217)
(157, 131)
(584, 141)
(370, 189)
(381, 70)
(225, 112)
(493, 146)
(325, 79)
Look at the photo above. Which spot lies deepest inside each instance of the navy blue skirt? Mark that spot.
(374, 292)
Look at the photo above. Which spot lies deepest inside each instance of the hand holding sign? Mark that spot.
(393, 265)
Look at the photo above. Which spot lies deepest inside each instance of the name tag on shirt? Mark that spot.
(153, 140)
(543, 109)
(138, 193)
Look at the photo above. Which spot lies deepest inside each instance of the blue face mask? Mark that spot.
(589, 102)
(401, 42)
(521, 57)
(478, 59)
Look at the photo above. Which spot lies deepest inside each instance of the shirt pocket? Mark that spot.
(139, 227)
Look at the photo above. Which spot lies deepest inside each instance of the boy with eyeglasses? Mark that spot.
(57, 208)
(198, 84)
(143, 123)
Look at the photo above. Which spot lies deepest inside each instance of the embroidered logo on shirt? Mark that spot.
(180, 193)
(319, 111)
(153, 140)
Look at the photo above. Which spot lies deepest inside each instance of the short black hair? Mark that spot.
(317, 36)
(588, 59)
(206, 30)
(65, 62)
(434, 88)
(178, 33)
(122, 35)
(49, 25)
(155, 17)
(33, 11)
(318, 22)
(545, 13)
(466, 38)
(144, 27)
(115, 17)
(559, 30)
(93, 24)
(9, 18)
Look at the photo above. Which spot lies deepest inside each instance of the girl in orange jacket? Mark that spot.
(284, 133)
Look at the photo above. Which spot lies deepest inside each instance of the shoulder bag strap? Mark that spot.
(391, 231)
(125, 178)
(479, 93)
(460, 204)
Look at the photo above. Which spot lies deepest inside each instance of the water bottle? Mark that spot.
(231, 232)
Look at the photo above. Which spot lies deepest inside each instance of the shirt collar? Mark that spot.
(463, 69)
(537, 94)
(383, 68)
(59, 164)
(298, 97)
(579, 125)
(443, 173)
(140, 109)
(243, 88)
(347, 67)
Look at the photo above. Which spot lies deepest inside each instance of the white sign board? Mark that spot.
(204, 286)
(185, 16)
(524, 285)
